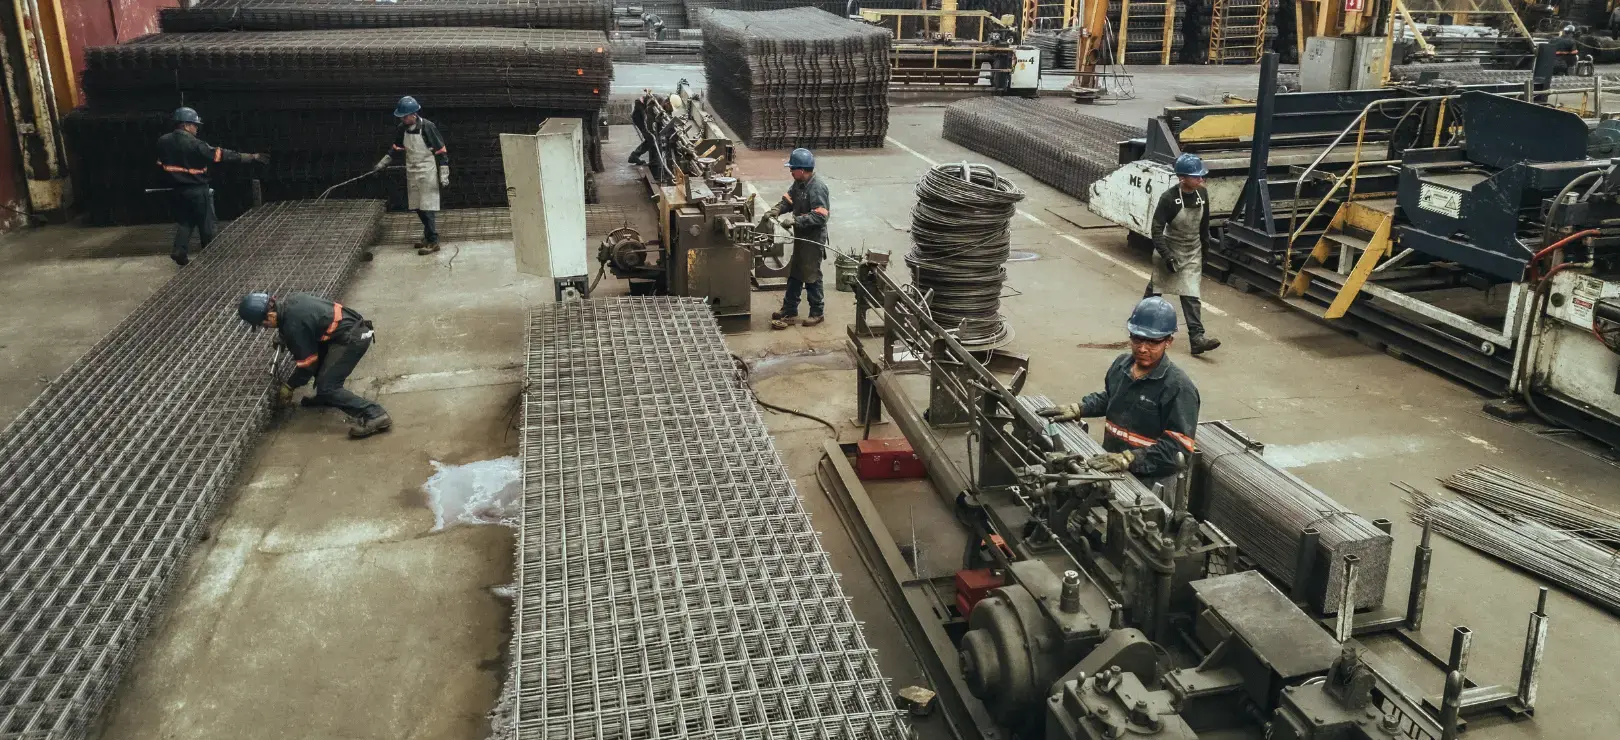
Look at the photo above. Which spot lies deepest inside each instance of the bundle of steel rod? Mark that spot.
(1506, 493)
(1056, 145)
(670, 582)
(960, 242)
(111, 475)
(1127, 490)
(798, 77)
(1267, 511)
(1588, 569)
(305, 15)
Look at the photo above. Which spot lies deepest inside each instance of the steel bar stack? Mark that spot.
(112, 474)
(798, 77)
(1507, 493)
(670, 583)
(307, 15)
(1056, 145)
(1265, 510)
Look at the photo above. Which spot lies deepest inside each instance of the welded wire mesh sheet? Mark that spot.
(109, 477)
(1058, 146)
(302, 15)
(670, 583)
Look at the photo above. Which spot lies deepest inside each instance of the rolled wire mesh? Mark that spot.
(670, 583)
(798, 78)
(110, 476)
(1058, 146)
(1265, 510)
(303, 15)
(960, 241)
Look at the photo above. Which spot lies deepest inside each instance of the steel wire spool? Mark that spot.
(304, 15)
(960, 241)
(112, 474)
(1056, 145)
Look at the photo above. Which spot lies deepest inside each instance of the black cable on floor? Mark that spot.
(742, 366)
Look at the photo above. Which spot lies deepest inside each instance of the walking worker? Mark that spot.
(641, 117)
(1150, 405)
(1180, 235)
(427, 168)
(326, 340)
(185, 159)
(802, 213)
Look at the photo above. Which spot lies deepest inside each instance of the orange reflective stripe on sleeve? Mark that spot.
(440, 151)
(397, 147)
(1185, 440)
(218, 154)
(178, 168)
(307, 361)
(820, 211)
(787, 197)
(1125, 435)
(337, 315)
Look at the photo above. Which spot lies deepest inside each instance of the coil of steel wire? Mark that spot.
(960, 240)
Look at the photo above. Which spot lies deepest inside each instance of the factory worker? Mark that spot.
(803, 213)
(1180, 231)
(326, 340)
(427, 168)
(1150, 405)
(185, 160)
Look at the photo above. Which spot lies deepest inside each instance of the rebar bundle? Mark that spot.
(304, 15)
(798, 78)
(1266, 510)
(1056, 145)
(111, 475)
(1506, 493)
(670, 583)
(960, 240)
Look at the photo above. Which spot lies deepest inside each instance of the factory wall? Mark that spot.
(102, 22)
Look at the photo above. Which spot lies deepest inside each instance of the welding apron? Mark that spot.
(1187, 247)
(421, 174)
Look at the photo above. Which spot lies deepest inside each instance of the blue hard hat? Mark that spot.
(187, 115)
(801, 159)
(254, 308)
(407, 105)
(1190, 165)
(1153, 318)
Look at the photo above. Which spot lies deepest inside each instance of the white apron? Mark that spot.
(1182, 237)
(421, 174)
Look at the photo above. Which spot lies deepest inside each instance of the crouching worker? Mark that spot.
(326, 341)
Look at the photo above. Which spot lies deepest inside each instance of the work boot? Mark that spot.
(180, 259)
(780, 316)
(428, 248)
(813, 320)
(367, 427)
(1204, 343)
(635, 159)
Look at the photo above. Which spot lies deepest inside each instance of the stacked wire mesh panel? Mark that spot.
(306, 15)
(798, 78)
(670, 583)
(1144, 40)
(1056, 145)
(111, 475)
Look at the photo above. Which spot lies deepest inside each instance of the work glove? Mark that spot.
(1111, 462)
(444, 176)
(284, 396)
(382, 164)
(260, 158)
(1172, 263)
(786, 220)
(1066, 412)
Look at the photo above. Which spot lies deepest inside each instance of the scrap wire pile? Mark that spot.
(1265, 509)
(960, 242)
(798, 77)
(113, 473)
(670, 582)
(1056, 145)
(304, 15)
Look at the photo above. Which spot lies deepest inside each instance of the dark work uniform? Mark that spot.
(638, 118)
(808, 202)
(185, 159)
(1170, 239)
(1156, 416)
(326, 340)
(1567, 52)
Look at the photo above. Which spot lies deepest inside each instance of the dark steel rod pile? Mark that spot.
(1265, 509)
(960, 241)
(1586, 568)
(798, 78)
(305, 15)
(111, 475)
(1056, 145)
(1507, 493)
(670, 583)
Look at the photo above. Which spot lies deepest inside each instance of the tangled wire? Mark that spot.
(960, 240)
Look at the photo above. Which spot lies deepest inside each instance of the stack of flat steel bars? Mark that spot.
(798, 78)
(1056, 145)
(308, 15)
(670, 583)
(112, 474)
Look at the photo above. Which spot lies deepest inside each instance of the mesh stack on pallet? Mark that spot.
(307, 15)
(113, 473)
(1144, 36)
(1052, 143)
(798, 77)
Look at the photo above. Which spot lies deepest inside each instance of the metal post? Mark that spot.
(1345, 625)
(1255, 197)
(1462, 639)
(1451, 706)
(1535, 643)
(1304, 561)
(1419, 590)
(258, 193)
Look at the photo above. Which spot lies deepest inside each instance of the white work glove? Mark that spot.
(1111, 462)
(786, 220)
(444, 176)
(382, 164)
(1066, 412)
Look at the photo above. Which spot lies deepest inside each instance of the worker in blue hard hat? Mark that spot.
(326, 340)
(186, 160)
(1180, 231)
(1150, 405)
(427, 168)
(803, 212)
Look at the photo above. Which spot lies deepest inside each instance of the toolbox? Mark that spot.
(887, 458)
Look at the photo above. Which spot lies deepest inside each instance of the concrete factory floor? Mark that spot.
(325, 606)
